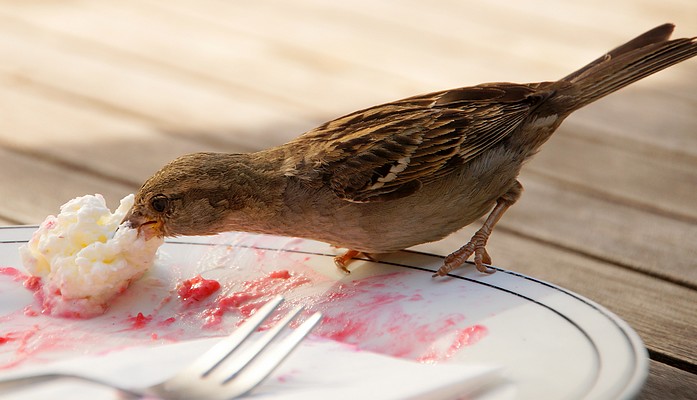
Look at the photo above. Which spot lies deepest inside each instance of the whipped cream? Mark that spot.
(83, 260)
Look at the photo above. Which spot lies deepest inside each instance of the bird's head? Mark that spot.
(192, 195)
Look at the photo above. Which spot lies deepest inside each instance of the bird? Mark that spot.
(395, 175)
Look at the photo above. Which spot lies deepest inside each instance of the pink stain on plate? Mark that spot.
(197, 288)
(253, 294)
(14, 273)
(380, 314)
(28, 344)
(385, 313)
(140, 321)
(33, 283)
(7, 338)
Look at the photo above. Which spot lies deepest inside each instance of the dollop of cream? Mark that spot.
(83, 260)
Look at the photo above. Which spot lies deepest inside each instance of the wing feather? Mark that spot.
(390, 151)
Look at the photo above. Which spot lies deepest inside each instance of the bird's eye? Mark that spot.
(159, 203)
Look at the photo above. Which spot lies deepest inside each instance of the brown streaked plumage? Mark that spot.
(398, 174)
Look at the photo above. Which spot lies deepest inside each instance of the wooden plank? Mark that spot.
(655, 180)
(235, 64)
(661, 312)
(659, 116)
(451, 30)
(8, 221)
(119, 36)
(551, 212)
(31, 188)
(321, 76)
(159, 96)
(115, 148)
(584, 16)
(466, 41)
(666, 382)
(479, 35)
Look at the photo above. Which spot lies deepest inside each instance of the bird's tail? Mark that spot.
(634, 60)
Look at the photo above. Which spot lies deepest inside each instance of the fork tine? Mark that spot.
(268, 360)
(236, 364)
(209, 360)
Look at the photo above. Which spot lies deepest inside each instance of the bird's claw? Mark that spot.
(341, 261)
(476, 246)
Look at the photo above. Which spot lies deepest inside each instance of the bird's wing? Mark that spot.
(390, 151)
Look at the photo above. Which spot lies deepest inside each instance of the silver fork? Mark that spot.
(214, 375)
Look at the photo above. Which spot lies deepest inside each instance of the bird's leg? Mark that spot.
(341, 261)
(477, 245)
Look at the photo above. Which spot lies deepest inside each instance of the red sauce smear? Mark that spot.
(7, 338)
(197, 289)
(140, 321)
(253, 295)
(13, 273)
(33, 283)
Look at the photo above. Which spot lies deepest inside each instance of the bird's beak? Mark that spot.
(147, 227)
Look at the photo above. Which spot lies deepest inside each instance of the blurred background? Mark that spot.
(96, 95)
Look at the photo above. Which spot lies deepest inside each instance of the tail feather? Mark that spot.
(656, 35)
(634, 60)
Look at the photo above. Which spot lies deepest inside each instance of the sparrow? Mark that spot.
(395, 175)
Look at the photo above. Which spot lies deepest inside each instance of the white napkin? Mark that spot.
(318, 369)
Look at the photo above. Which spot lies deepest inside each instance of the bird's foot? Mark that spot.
(341, 261)
(476, 246)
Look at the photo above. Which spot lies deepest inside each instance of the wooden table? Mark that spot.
(97, 95)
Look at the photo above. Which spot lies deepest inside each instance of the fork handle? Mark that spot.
(24, 382)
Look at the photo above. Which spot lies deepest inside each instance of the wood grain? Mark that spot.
(26, 177)
(666, 382)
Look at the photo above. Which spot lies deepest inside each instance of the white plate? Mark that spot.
(552, 343)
